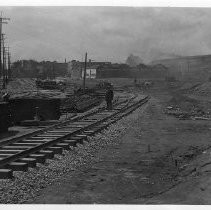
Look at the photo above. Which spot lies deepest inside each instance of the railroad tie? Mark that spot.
(34, 141)
(70, 142)
(6, 155)
(80, 135)
(56, 150)
(79, 138)
(41, 138)
(14, 147)
(90, 120)
(17, 166)
(30, 161)
(49, 154)
(63, 145)
(9, 151)
(50, 135)
(40, 158)
(6, 174)
(24, 144)
(93, 131)
(58, 132)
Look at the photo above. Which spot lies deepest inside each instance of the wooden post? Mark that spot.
(2, 21)
(9, 66)
(84, 79)
(3, 66)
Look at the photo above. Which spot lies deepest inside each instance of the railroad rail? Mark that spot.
(17, 154)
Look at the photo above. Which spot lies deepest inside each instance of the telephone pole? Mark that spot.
(8, 65)
(3, 63)
(5, 66)
(3, 20)
(84, 79)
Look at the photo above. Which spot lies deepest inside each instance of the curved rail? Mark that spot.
(19, 154)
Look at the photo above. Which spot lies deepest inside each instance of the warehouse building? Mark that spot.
(76, 69)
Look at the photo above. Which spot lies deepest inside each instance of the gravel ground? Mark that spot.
(127, 171)
(26, 185)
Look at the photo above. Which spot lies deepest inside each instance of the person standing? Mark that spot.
(109, 98)
(6, 97)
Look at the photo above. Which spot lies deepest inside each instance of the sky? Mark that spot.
(106, 33)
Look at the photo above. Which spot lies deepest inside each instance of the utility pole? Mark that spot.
(3, 63)
(84, 79)
(2, 21)
(8, 65)
(5, 66)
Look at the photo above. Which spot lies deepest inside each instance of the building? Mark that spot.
(125, 71)
(153, 72)
(34, 69)
(91, 72)
(113, 70)
(196, 68)
(76, 69)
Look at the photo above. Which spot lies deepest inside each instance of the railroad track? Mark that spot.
(18, 154)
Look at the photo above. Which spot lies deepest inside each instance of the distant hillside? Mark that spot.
(191, 67)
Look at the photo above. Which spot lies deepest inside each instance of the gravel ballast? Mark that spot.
(26, 185)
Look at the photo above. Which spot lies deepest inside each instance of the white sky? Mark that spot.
(106, 33)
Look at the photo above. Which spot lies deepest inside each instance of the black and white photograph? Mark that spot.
(105, 104)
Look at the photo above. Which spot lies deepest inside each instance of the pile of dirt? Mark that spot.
(184, 107)
(183, 102)
(79, 103)
(203, 89)
(189, 86)
(39, 94)
(198, 89)
(26, 88)
(21, 85)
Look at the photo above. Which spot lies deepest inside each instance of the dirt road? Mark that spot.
(151, 164)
